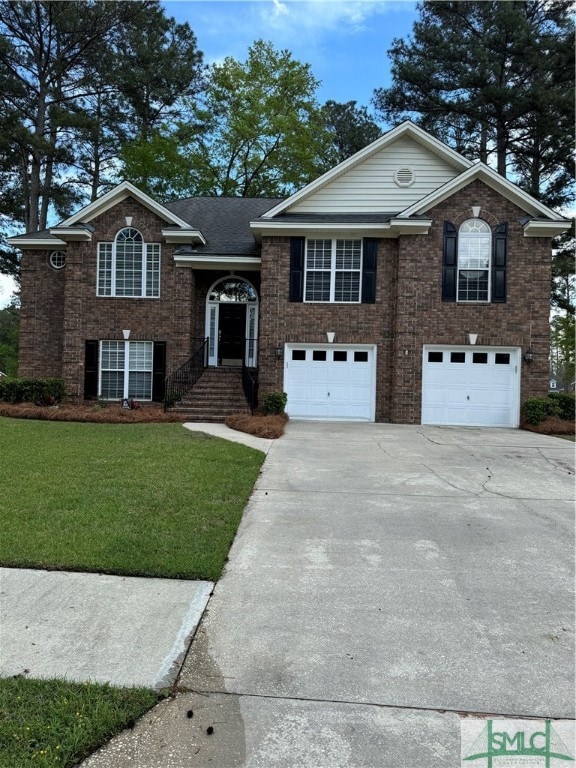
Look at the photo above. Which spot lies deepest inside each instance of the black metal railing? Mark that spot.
(182, 380)
(250, 373)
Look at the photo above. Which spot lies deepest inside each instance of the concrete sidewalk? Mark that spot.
(386, 581)
(87, 626)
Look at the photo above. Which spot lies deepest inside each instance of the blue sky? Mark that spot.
(344, 41)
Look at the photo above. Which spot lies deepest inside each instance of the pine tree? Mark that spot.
(494, 79)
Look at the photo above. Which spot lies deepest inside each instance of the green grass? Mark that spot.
(137, 499)
(566, 437)
(55, 724)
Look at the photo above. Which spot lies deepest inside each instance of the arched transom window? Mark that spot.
(233, 289)
(474, 256)
(128, 266)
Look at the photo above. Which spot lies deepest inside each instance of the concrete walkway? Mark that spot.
(386, 583)
(85, 626)
(122, 630)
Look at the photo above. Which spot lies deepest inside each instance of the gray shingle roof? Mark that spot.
(224, 221)
(334, 218)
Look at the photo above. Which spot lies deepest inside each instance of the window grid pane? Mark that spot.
(333, 270)
(140, 356)
(113, 355)
(319, 254)
(140, 385)
(112, 368)
(473, 286)
(347, 286)
(474, 252)
(318, 286)
(128, 269)
(112, 385)
(348, 254)
(153, 270)
(104, 269)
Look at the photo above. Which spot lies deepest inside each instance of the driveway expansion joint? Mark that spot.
(405, 707)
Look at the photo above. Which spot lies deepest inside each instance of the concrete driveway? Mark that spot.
(387, 582)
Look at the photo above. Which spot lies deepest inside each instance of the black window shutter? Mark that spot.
(369, 259)
(297, 247)
(158, 371)
(91, 370)
(449, 262)
(499, 264)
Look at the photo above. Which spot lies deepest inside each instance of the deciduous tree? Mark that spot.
(263, 132)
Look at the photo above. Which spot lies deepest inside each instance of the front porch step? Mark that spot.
(217, 393)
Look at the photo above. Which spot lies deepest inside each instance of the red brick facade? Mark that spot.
(60, 309)
(409, 311)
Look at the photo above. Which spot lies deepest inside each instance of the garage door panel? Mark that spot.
(455, 416)
(330, 382)
(483, 390)
(362, 375)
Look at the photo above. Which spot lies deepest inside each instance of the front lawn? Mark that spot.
(54, 724)
(138, 499)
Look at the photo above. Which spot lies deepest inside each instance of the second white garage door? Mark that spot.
(471, 386)
(330, 381)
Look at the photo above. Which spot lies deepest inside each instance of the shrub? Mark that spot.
(274, 402)
(565, 403)
(39, 391)
(536, 409)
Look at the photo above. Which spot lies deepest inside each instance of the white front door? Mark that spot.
(471, 386)
(330, 381)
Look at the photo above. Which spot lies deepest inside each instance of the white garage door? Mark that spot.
(471, 386)
(330, 381)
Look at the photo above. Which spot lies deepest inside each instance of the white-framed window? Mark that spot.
(333, 270)
(57, 259)
(129, 267)
(474, 256)
(125, 370)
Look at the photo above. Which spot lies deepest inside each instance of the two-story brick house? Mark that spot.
(407, 284)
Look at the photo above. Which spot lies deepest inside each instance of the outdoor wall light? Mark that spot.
(472, 338)
(528, 355)
(279, 353)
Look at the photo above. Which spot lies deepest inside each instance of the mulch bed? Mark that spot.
(271, 426)
(259, 425)
(109, 414)
(551, 426)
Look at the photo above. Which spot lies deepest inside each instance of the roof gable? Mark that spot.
(492, 179)
(115, 196)
(365, 181)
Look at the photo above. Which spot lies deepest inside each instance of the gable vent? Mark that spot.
(404, 177)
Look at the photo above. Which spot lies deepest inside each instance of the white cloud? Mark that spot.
(279, 8)
(310, 17)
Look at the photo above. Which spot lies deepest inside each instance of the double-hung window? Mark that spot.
(129, 267)
(126, 370)
(333, 270)
(474, 254)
